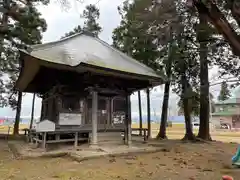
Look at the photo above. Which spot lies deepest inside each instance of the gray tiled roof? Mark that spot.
(84, 48)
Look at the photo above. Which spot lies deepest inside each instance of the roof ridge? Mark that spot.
(41, 46)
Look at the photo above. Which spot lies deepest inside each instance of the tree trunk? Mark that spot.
(188, 121)
(32, 113)
(163, 125)
(164, 116)
(204, 83)
(187, 109)
(140, 112)
(18, 114)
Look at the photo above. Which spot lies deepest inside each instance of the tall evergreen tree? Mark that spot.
(25, 28)
(224, 93)
(133, 38)
(168, 68)
(91, 15)
(77, 29)
(147, 25)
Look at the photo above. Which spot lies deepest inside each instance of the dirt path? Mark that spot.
(177, 161)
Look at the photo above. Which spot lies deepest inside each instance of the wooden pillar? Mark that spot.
(111, 116)
(148, 114)
(94, 117)
(57, 109)
(128, 121)
(86, 117)
(57, 136)
(109, 113)
(42, 110)
(32, 113)
(44, 140)
(140, 112)
(76, 140)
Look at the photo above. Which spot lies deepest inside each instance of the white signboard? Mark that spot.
(70, 119)
(45, 125)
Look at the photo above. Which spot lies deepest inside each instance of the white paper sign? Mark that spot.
(70, 119)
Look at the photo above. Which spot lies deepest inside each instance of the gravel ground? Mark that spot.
(208, 161)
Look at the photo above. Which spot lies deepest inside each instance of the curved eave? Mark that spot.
(29, 68)
(31, 65)
(159, 79)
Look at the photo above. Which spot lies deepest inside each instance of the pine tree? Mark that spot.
(224, 93)
(77, 29)
(144, 31)
(90, 14)
(132, 37)
(25, 28)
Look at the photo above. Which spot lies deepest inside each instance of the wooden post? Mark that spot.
(84, 112)
(111, 107)
(58, 106)
(94, 117)
(30, 136)
(125, 138)
(44, 140)
(57, 136)
(144, 135)
(86, 116)
(76, 140)
(148, 114)
(32, 113)
(109, 113)
(140, 112)
(37, 137)
(128, 122)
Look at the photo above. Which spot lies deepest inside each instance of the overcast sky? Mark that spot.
(61, 21)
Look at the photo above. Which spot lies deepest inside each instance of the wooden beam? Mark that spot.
(107, 90)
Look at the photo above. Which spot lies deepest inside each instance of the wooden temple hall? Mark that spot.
(85, 86)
